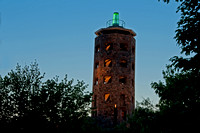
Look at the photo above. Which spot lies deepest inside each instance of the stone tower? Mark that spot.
(114, 71)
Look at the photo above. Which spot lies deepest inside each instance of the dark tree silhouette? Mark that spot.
(180, 93)
(27, 103)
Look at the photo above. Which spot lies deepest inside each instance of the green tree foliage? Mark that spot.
(144, 118)
(180, 93)
(187, 35)
(167, 1)
(178, 108)
(28, 103)
(179, 100)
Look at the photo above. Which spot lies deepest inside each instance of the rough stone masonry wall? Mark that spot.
(121, 94)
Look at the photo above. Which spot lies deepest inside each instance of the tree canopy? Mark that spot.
(178, 108)
(29, 103)
(180, 93)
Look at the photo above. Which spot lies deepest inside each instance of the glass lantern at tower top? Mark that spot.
(115, 21)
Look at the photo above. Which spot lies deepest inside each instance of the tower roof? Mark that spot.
(115, 30)
(115, 25)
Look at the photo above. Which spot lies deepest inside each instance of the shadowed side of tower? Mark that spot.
(114, 71)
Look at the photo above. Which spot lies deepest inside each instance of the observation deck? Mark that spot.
(115, 25)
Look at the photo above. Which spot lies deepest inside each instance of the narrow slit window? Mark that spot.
(122, 99)
(133, 50)
(123, 63)
(122, 80)
(133, 67)
(132, 99)
(107, 97)
(97, 49)
(108, 46)
(96, 81)
(107, 79)
(96, 65)
(123, 46)
(95, 100)
(94, 113)
(124, 115)
(108, 63)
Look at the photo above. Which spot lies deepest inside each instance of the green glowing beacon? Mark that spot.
(115, 19)
(115, 22)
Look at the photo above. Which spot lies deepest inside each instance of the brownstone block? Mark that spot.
(114, 73)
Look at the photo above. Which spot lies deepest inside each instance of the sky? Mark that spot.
(59, 35)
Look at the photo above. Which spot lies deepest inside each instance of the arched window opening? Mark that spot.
(108, 63)
(123, 47)
(107, 79)
(107, 97)
(122, 80)
(108, 46)
(123, 63)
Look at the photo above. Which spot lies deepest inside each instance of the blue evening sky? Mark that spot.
(59, 34)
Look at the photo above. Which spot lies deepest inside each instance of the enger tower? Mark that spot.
(114, 71)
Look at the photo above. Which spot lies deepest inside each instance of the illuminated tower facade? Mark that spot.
(114, 71)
